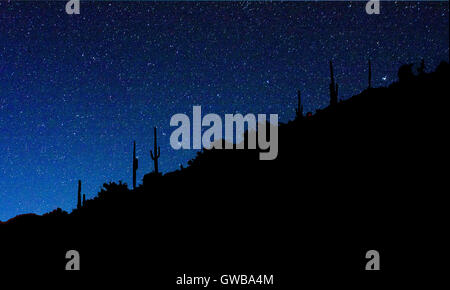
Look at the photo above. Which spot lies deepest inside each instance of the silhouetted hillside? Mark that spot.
(359, 174)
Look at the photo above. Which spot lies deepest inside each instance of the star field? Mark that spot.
(76, 90)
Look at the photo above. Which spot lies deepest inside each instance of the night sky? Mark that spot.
(76, 90)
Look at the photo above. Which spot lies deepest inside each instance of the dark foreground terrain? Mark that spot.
(364, 174)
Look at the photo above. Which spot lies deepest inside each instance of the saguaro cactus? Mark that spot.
(157, 151)
(84, 199)
(421, 69)
(79, 195)
(370, 75)
(333, 87)
(299, 110)
(135, 164)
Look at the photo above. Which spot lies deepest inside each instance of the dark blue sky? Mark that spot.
(75, 91)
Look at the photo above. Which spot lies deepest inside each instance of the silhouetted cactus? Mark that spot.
(421, 69)
(157, 151)
(299, 110)
(370, 75)
(79, 195)
(84, 199)
(135, 164)
(333, 87)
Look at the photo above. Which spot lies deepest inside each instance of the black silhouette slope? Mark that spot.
(361, 174)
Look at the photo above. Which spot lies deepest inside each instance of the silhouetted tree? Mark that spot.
(113, 189)
(56, 213)
(405, 73)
